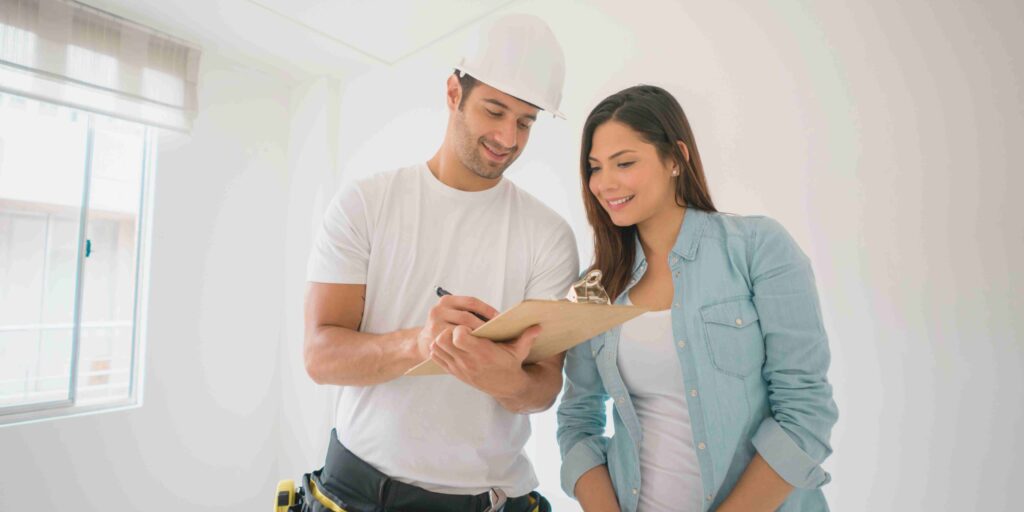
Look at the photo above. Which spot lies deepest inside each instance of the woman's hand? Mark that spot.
(759, 488)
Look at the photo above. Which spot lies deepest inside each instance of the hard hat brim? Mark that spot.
(511, 91)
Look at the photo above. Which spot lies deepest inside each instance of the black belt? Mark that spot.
(356, 486)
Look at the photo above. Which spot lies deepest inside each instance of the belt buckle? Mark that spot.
(498, 499)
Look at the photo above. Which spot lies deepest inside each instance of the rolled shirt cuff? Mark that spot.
(791, 462)
(587, 454)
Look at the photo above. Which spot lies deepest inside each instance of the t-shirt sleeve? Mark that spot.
(558, 264)
(341, 247)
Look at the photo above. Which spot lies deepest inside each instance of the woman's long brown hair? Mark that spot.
(659, 119)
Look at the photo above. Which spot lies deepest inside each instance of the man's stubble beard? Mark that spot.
(468, 149)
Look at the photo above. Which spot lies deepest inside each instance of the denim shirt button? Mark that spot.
(635, 490)
(709, 497)
(682, 343)
(702, 446)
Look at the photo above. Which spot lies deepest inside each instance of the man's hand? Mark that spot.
(451, 311)
(494, 368)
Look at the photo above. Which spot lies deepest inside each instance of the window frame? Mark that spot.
(20, 414)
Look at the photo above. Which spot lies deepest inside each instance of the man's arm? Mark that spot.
(539, 390)
(497, 368)
(336, 352)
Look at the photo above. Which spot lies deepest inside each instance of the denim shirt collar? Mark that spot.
(687, 242)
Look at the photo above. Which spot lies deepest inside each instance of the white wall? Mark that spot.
(883, 136)
(206, 435)
(880, 135)
(307, 409)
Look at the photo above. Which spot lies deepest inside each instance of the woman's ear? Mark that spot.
(685, 150)
(686, 156)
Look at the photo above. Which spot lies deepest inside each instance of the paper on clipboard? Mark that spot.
(564, 325)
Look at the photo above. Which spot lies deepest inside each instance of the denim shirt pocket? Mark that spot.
(734, 337)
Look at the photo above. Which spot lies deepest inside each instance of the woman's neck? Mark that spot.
(658, 233)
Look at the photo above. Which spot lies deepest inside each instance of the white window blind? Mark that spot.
(74, 55)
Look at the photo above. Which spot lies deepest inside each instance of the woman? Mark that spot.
(720, 395)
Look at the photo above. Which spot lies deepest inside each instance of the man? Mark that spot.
(451, 442)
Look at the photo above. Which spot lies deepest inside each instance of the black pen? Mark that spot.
(441, 292)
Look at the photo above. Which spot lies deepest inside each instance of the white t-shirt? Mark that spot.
(404, 233)
(669, 469)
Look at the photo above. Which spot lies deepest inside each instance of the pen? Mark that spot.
(441, 292)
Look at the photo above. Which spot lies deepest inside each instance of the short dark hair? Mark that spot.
(467, 83)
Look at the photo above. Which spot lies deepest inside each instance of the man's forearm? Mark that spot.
(344, 357)
(537, 387)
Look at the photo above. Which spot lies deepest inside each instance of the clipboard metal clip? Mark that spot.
(588, 290)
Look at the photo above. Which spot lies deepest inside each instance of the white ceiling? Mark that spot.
(298, 38)
(386, 31)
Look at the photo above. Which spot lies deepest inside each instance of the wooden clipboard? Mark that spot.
(564, 325)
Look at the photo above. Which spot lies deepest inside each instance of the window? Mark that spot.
(72, 225)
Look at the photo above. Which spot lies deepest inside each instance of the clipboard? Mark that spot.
(565, 324)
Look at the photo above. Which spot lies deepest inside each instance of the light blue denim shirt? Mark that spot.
(748, 332)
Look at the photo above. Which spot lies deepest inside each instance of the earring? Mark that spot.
(675, 172)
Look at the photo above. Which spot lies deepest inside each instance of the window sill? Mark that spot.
(37, 416)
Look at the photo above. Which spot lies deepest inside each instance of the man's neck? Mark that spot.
(448, 169)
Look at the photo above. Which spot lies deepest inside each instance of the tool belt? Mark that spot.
(365, 489)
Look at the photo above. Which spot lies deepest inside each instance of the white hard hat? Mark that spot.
(519, 55)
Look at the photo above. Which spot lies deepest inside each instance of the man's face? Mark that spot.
(490, 130)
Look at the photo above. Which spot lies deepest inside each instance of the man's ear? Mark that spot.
(453, 92)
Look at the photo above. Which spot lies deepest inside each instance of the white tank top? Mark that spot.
(669, 470)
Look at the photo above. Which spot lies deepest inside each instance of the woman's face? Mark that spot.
(628, 178)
